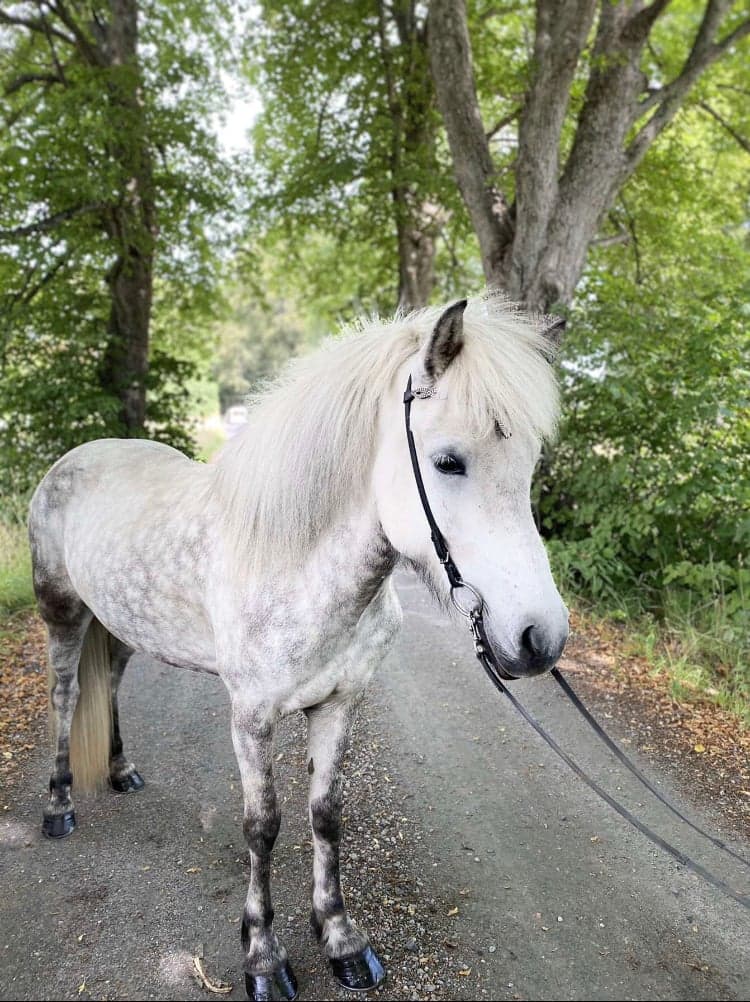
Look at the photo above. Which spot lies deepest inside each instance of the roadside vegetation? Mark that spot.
(16, 592)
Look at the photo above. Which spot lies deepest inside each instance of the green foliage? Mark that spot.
(257, 336)
(345, 149)
(646, 498)
(657, 424)
(16, 591)
(65, 158)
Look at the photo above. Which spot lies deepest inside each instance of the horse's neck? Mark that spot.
(350, 562)
(340, 576)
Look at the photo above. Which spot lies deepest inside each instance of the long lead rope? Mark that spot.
(620, 754)
(497, 674)
(681, 857)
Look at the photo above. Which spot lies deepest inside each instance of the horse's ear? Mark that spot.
(553, 329)
(445, 342)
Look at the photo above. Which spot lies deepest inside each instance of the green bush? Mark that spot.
(16, 590)
(646, 497)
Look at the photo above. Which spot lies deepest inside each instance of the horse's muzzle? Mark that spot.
(537, 652)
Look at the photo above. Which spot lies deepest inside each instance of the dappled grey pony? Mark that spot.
(273, 569)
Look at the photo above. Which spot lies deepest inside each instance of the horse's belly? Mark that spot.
(158, 618)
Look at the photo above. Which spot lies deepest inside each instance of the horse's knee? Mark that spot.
(261, 830)
(325, 819)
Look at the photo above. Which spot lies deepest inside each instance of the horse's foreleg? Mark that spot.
(123, 776)
(267, 971)
(347, 947)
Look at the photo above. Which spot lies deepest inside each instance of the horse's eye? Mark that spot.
(447, 463)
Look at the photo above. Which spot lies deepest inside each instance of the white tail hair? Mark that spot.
(91, 730)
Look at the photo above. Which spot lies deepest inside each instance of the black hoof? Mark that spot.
(131, 782)
(275, 987)
(58, 825)
(360, 972)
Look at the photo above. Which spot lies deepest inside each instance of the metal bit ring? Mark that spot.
(473, 610)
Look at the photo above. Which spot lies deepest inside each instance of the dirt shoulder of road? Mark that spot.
(23, 690)
(696, 742)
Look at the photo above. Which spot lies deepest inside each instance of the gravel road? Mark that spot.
(481, 868)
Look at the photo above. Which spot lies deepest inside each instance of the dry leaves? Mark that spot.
(23, 687)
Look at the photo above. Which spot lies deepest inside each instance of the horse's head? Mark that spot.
(478, 439)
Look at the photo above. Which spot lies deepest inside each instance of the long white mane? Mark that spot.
(306, 454)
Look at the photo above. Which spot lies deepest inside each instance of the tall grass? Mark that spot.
(697, 636)
(705, 646)
(16, 590)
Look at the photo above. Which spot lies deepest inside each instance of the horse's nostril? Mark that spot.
(530, 641)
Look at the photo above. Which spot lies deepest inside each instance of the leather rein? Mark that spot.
(498, 675)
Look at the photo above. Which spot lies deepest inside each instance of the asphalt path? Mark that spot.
(481, 868)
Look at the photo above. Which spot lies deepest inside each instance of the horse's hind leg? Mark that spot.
(352, 959)
(123, 776)
(267, 971)
(66, 640)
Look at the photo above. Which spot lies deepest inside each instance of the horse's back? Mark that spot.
(107, 471)
(104, 457)
(111, 516)
(110, 466)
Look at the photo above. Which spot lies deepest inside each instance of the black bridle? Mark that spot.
(475, 612)
(498, 675)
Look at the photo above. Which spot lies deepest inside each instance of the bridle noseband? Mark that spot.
(474, 612)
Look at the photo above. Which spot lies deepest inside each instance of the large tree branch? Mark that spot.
(642, 21)
(455, 87)
(27, 78)
(612, 241)
(701, 49)
(37, 24)
(394, 109)
(50, 222)
(88, 48)
(53, 51)
(590, 178)
(668, 100)
(561, 33)
(501, 123)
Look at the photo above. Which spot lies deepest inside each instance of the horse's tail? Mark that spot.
(91, 731)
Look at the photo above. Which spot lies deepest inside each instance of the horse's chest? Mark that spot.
(321, 648)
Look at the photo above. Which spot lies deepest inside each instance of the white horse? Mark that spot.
(273, 569)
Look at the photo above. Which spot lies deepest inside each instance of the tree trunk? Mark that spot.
(411, 109)
(125, 364)
(453, 78)
(416, 260)
(130, 224)
(536, 249)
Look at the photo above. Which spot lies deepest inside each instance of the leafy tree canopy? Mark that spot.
(71, 151)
